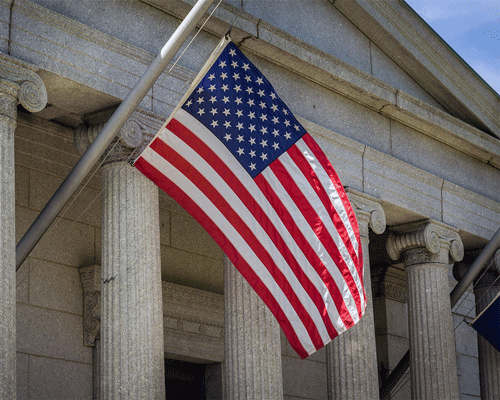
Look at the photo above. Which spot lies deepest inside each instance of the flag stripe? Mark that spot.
(247, 197)
(326, 167)
(221, 231)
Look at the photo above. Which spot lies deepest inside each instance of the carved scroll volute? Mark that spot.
(91, 285)
(431, 234)
(368, 211)
(32, 93)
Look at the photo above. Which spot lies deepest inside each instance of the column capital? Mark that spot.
(432, 235)
(31, 91)
(134, 136)
(91, 285)
(368, 211)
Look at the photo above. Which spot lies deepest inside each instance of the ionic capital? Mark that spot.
(430, 234)
(369, 212)
(132, 138)
(91, 285)
(19, 79)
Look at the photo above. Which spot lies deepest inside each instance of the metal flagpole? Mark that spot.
(455, 295)
(107, 134)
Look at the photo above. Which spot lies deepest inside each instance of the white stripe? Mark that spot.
(314, 242)
(238, 242)
(237, 205)
(323, 214)
(217, 147)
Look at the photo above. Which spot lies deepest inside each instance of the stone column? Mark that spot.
(18, 84)
(351, 357)
(132, 349)
(489, 357)
(252, 348)
(426, 248)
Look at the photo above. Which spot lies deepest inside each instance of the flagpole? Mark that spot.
(455, 295)
(108, 133)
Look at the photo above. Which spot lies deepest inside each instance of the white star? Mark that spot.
(236, 76)
(252, 153)
(223, 75)
(239, 113)
(237, 88)
(225, 99)
(287, 135)
(251, 115)
(226, 112)
(274, 107)
(201, 111)
(263, 117)
(262, 105)
(249, 90)
(287, 123)
(234, 64)
(259, 80)
(238, 100)
(211, 88)
(275, 120)
(232, 52)
(200, 100)
(212, 76)
(275, 133)
(212, 99)
(260, 93)
(247, 78)
(252, 166)
(227, 124)
(251, 141)
(285, 111)
(251, 127)
(263, 130)
(273, 96)
(227, 137)
(240, 151)
(239, 125)
(222, 64)
(240, 138)
(250, 102)
(200, 89)
(214, 123)
(225, 87)
(213, 111)
(276, 146)
(189, 102)
(263, 156)
(296, 127)
(245, 66)
(263, 143)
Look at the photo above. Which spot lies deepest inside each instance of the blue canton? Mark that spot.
(237, 103)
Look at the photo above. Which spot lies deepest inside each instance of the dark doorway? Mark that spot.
(184, 380)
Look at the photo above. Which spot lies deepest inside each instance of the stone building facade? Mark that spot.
(127, 297)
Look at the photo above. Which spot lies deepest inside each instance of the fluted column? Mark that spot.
(18, 84)
(489, 357)
(252, 342)
(426, 248)
(352, 357)
(132, 349)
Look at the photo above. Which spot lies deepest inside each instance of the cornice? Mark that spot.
(295, 55)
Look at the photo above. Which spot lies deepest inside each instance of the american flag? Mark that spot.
(234, 156)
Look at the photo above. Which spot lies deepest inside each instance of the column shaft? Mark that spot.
(132, 351)
(252, 342)
(8, 103)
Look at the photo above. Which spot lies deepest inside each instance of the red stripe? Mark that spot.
(254, 207)
(315, 184)
(317, 226)
(311, 255)
(204, 220)
(323, 159)
(245, 231)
